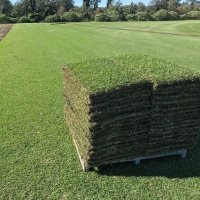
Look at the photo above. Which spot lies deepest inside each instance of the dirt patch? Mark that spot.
(4, 29)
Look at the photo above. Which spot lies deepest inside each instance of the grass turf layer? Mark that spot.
(109, 73)
(122, 107)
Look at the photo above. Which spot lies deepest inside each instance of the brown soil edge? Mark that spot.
(70, 73)
(4, 29)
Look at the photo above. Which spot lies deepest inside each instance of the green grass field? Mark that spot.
(37, 157)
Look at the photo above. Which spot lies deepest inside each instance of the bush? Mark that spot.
(142, 16)
(173, 15)
(114, 15)
(193, 15)
(130, 17)
(35, 17)
(161, 15)
(184, 17)
(101, 17)
(24, 19)
(85, 19)
(52, 18)
(71, 17)
(12, 20)
(3, 19)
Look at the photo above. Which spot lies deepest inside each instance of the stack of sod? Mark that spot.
(116, 109)
(175, 115)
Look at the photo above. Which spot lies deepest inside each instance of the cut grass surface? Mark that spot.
(37, 157)
(109, 73)
(189, 28)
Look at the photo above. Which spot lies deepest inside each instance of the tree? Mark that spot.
(51, 8)
(129, 9)
(159, 4)
(24, 19)
(70, 17)
(194, 14)
(86, 4)
(141, 7)
(61, 10)
(6, 7)
(142, 16)
(109, 3)
(133, 8)
(113, 14)
(161, 15)
(38, 10)
(41, 6)
(130, 17)
(95, 3)
(118, 7)
(183, 8)
(67, 4)
(192, 3)
(173, 15)
(172, 5)
(21, 8)
(33, 5)
(101, 17)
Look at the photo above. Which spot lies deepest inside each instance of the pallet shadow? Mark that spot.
(170, 167)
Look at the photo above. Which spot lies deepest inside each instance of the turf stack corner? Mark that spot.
(130, 106)
(107, 127)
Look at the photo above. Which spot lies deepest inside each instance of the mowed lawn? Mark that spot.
(37, 157)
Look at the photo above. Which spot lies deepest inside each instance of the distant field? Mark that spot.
(37, 157)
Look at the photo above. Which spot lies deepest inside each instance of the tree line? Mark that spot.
(25, 11)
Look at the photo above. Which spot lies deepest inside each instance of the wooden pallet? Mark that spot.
(182, 153)
(85, 168)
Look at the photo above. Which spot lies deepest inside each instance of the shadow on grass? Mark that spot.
(58, 23)
(171, 167)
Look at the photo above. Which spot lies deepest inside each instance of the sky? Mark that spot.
(103, 2)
